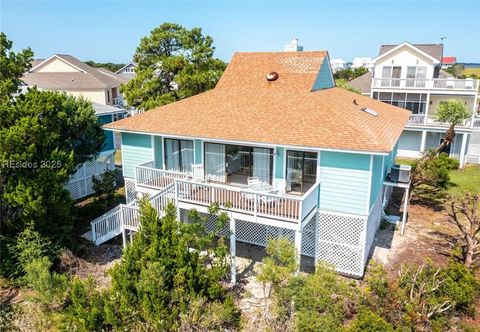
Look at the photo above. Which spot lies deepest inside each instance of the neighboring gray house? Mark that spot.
(128, 70)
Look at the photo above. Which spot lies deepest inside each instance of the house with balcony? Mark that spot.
(278, 147)
(128, 70)
(410, 76)
(100, 86)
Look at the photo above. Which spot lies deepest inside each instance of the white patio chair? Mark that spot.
(469, 83)
(280, 188)
(197, 172)
(450, 84)
(253, 180)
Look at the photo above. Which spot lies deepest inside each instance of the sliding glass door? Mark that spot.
(236, 163)
(178, 155)
(262, 164)
(301, 171)
(215, 162)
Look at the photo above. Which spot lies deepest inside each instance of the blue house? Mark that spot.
(80, 183)
(275, 144)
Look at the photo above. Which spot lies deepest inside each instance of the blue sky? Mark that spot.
(111, 30)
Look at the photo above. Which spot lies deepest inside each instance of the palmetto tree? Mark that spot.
(453, 112)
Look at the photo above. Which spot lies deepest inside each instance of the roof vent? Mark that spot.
(369, 111)
(272, 76)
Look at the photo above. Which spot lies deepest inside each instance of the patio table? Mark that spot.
(262, 187)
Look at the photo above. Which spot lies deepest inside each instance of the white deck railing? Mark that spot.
(126, 216)
(147, 175)
(177, 187)
(242, 200)
(468, 84)
(416, 119)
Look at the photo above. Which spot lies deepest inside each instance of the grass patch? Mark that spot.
(118, 157)
(466, 179)
(404, 161)
(470, 71)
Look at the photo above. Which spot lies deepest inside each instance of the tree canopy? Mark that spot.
(169, 279)
(107, 65)
(172, 63)
(44, 137)
(453, 112)
(12, 67)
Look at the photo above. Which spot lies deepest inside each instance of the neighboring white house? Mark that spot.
(293, 46)
(362, 62)
(62, 72)
(410, 76)
(66, 73)
(127, 70)
(338, 64)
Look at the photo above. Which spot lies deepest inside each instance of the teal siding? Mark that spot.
(198, 151)
(158, 152)
(377, 178)
(279, 158)
(359, 162)
(136, 149)
(108, 145)
(344, 182)
(324, 78)
(390, 159)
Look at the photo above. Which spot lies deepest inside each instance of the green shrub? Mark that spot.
(104, 186)
(86, 311)
(368, 321)
(431, 176)
(280, 263)
(50, 287)
(169, 266)
(460, 286)
(29, 245)
(320, 301)
(210, 316)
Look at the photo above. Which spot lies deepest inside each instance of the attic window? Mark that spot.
(272, 76)
(369, 111)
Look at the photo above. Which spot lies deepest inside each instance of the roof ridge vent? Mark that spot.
(369, 111)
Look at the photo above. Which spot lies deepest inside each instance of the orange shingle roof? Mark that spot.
(246, 107)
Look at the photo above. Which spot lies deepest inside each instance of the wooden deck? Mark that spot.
(246, 202)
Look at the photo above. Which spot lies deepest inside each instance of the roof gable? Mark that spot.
(56, 64)
(131, 64)
(431, 51)
(325, 77)
(65, 72)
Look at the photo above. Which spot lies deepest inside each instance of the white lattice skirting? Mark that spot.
(259, 234)
(344, 241)
(80, 184)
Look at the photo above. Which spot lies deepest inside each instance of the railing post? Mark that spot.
(255, 206)
(233, 250)
(124, 237)
(298, 246)
(94, 234)
(300, 212)
(121, 217)
(176, 198)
